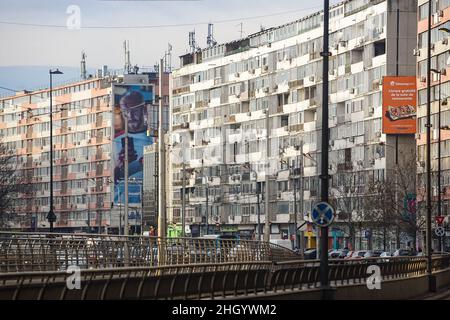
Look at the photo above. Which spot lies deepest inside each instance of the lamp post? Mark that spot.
(258, 208)
(327, 292)
(431, 278)
(51, 217)
(439, 73)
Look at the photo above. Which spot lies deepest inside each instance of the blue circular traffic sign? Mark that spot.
(322, 214)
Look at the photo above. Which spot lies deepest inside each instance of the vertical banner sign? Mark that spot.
(399, 105)
(131, 103)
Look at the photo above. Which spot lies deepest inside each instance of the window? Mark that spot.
(380, 48)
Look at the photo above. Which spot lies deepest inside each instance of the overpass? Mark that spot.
(34, 266)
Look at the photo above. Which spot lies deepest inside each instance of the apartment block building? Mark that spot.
(88, 144)
(440, 55)
(223, 97)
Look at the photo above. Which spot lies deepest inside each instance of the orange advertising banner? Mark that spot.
(399, 105)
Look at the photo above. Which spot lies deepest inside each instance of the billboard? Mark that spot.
(399, 105)
(131, 104)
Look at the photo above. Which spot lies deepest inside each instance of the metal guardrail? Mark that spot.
(52, 252)
(207, 280)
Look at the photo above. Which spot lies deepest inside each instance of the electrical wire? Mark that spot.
(16, 23)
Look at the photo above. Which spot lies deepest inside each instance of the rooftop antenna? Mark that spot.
(192, 43)
(210, 41)
(240, 30)
(126, 48)
(83, 65)
(168, 58)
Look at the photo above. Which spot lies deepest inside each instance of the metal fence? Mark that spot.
(52, 252)
(206, 280)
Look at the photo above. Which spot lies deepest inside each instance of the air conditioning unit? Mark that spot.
(351, 139)
(372, 162)
(343, 43)
(331, 142)
(252, 71)
(266, 89)
(311, 78)
(332, 72)
(353, 91)
(237, 74)
(371, 111)
(275, 87)
(336, 46)
(423, 79)
(416, 52)
(265, 68)
(249, 114)
(445, 41)
(440, 13)
(378, 134)
(432, 46)
(279, 194)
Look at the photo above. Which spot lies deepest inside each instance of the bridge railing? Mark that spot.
(206, 280)
(52, 252)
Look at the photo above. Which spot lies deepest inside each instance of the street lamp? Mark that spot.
(258, 192)
(440, 73)
(51, 217)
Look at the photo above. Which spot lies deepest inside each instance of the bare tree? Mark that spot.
(10, 184)
(345, 196)
(391, 204)
(378, 206)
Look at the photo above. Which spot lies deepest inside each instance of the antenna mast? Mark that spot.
(83, 65)
(211, 42)
(192, 43)
(126, 48)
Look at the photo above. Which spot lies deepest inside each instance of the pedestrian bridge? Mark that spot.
(34, 266)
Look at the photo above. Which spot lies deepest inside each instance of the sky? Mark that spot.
(35, 32)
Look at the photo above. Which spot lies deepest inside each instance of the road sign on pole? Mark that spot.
(440, 232)
(439, 220)
(322, 214)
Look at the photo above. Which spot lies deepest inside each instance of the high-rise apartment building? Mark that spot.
(224, 95)
(88, 144)
(440, 63)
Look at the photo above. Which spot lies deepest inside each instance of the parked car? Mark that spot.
(359, 254)
(403, 253)
(385, 254)
(310, 254)
(334, 254)
(349, 254)
(343, 253)
(372, 253)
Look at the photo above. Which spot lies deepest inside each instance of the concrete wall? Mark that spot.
(396, 289)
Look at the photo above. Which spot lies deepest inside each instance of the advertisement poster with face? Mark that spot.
(131, 104)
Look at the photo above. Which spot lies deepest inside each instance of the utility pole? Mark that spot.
(183, 201)
(266, 199)
(431, 278)
(125, 228)
(295, 204)
(324, 282)
(258, 192)
(207, 197)
(300, 243)
(441, 248)
(51, 217)
(161, 167)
